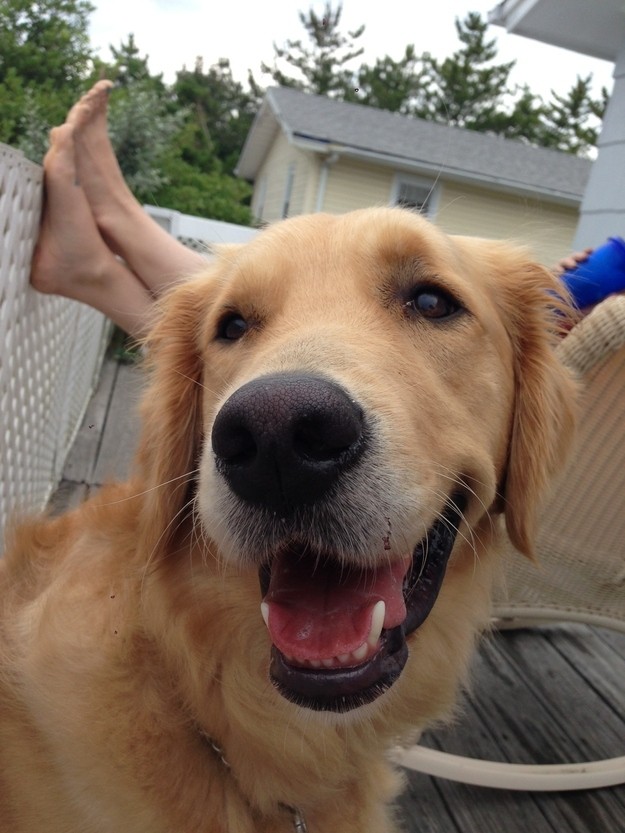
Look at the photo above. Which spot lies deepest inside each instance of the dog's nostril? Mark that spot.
(235, 444)
(325, 438)
(284, 440)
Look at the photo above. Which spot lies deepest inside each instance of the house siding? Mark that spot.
(304, 189)
(458, 208)
(548, 228)
(283, 161)
(352, 185)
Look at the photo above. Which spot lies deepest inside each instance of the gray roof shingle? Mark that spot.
(418, 144)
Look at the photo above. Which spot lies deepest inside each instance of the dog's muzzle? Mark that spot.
(284, 443)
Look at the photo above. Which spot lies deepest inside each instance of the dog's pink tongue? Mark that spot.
(316, 612)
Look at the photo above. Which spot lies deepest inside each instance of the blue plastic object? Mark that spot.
(599, 276)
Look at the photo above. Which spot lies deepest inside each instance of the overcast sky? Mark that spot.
(174, 32)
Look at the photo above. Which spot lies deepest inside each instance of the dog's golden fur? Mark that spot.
(130, 630)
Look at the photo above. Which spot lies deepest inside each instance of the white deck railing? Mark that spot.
(199, 233)
(50, 353)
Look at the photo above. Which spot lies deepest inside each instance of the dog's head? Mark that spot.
(342, 406)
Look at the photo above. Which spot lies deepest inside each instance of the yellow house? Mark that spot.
(308, 153)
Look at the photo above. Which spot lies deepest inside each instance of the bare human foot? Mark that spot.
(71, 258)
(149, 250)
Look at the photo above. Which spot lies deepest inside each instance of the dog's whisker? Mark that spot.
(189, 475)
(448, 474)
(471, 541)
(194, 381)
(173, 523)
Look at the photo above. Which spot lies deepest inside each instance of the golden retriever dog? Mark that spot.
(337, 415)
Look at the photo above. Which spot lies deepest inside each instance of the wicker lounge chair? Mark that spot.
(581, 550)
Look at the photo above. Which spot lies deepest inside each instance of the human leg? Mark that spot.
(71, 258)
(152, 253)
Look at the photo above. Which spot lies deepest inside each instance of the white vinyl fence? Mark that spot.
(51, 351)
(199, 233)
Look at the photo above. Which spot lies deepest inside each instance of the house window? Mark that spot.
(415, 193)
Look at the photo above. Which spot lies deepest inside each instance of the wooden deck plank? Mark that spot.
(421, 808)
(521, 715)
(474, 808)
(598, 658)
(552, 715)
(68, 495)
(121, 428)
(478, 810)
(80, 464)
(551, 700)
(616, 640)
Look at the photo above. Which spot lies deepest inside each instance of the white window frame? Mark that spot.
(430, 185)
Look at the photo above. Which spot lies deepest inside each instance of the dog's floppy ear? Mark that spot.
(545, 395)
(171, 408)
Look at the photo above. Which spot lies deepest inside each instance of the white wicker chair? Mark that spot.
(581, 550)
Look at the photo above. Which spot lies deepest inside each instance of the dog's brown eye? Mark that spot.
(232, 327)
(433, 303)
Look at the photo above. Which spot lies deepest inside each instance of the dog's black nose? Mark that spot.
(283, 440)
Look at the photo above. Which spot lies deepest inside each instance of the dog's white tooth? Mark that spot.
(264, 609)
(377, 623)
(327, 663)
(360, 653)
(342, 658)
(315, 663)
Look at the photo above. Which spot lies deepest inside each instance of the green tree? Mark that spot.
(220, 109)
(471, 89)
(322, 65)
(45, 43)
(197, 164)
(44, 59)
(524, 120)
(127, 67)
(468, 88)
(141, 131)
(571, 122)
(13, 93)
(192, 191)
(131, 67)
(389, 84)
(163, 137)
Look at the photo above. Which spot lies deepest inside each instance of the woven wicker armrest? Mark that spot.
(599, 334)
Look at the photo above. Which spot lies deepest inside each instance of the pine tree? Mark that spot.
(571, 122)
(321, 67)
(471, 89)
(467, 89)
(389, 84)
(130, 67)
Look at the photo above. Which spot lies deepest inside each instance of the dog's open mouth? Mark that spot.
(338, 632)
